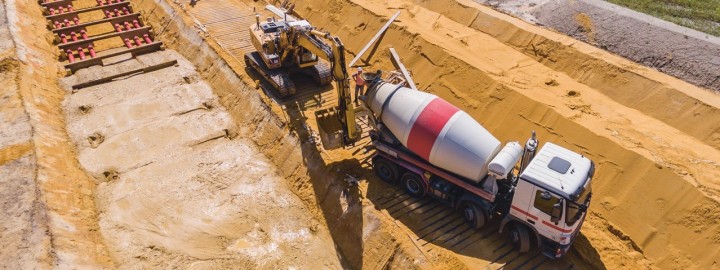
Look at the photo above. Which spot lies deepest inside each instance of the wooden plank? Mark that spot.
(123, 74)
(372, 41)
(69, 15)
(404, 71)
(280, 13)
(56, 4)
(124, 34)
(98, 60)
(113, 20)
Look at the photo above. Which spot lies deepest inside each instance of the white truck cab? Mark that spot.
(551, 198)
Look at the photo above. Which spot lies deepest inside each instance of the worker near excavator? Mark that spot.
(359, 83)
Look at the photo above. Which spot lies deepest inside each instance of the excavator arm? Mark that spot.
(344, 112)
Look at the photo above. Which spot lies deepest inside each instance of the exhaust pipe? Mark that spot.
(529, 152)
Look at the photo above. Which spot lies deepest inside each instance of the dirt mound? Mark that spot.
(672, 49)
(621, 80)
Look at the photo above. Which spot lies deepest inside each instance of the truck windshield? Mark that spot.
(574, 212)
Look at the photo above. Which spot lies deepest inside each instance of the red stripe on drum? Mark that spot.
(428, 125)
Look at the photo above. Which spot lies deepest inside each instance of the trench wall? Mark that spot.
(611, 75)
(297, 161)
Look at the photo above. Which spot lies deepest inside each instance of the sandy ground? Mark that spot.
(484, 62)
(23, 233)
(188, 167)
(679, 51)
(510, 70)
(98, 208)
(178, 186)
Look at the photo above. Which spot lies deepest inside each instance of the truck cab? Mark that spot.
(551, 198)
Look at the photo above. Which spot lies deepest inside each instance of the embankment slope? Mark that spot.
(656, 183)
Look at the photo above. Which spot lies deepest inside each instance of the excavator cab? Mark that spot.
(306, 58)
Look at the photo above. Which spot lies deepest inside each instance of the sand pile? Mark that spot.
(681, 52)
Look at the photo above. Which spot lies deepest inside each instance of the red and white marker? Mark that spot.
(91, 49)
(147, 39)
(81, 52)
(70, 55)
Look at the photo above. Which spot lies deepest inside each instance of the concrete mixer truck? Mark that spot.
(431, 148)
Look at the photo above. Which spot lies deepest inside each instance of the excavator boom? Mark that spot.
(337, 125)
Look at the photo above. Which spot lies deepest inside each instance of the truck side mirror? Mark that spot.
(556, 212)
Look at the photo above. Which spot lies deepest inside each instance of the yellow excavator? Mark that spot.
(291, 45)
(278, 56)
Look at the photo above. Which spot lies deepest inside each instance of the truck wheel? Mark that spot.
(520, 237)
(414, 186)
(386, 170)
(474, 215)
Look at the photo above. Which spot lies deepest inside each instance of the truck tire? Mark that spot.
(520, 237)
(474, 215)
(414, 185)
(386, 170)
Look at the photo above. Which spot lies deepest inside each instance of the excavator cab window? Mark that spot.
(272, 27)
(308, 57)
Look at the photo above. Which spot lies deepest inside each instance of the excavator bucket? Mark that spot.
(331, 130)
(331, 127)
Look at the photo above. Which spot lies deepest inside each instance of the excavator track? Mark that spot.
(278, 78)
(320, 73)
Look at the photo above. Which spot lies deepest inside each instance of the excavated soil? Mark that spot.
(572, 94)
(189, 167)
(657, 186)
(681, 52)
